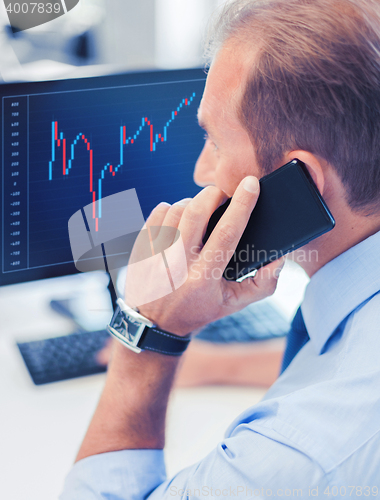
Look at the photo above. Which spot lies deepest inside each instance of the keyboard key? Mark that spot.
(62, 358)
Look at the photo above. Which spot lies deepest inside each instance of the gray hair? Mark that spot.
(314, 84)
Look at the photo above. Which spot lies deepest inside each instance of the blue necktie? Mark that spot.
(297, 338)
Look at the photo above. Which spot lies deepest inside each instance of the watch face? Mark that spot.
(126, 329)
(133, 326)
(118, 320)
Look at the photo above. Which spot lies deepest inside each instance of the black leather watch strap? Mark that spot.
(138, 333)
(155, 339)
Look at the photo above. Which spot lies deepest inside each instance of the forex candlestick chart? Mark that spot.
(58, 140)
(64, 149)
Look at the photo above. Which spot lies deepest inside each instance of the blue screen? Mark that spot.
(68, 143)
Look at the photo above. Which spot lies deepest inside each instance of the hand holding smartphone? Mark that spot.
(289, 213)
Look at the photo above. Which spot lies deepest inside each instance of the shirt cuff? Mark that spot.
(126, 474)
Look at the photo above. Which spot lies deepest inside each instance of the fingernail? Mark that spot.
(281, 263)
(183, 202)
(280, 267)
(160, 205)
(251, 184)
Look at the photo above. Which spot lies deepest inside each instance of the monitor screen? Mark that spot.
(68, 143)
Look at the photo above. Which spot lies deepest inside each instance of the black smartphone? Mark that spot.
(289, 213)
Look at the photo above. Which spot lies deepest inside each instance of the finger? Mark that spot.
(228, 231)
(174, 214)
(266, 278)
(163, 237)
(262, 285)
(142, 247)
(156, 217)
(196, 215)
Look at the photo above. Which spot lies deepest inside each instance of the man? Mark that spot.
(289, 79)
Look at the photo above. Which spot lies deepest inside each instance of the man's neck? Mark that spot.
(350, 230)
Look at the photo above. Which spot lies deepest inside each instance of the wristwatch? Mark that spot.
(138, 333)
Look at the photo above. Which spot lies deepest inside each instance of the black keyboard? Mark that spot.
(74, 355)
(257, 321)
(66, 357)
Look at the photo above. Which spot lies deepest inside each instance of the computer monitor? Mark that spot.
(68, 143)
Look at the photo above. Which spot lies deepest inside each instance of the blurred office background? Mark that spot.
(101, 36)
(41, 427)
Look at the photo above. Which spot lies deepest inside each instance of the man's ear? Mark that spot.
(313, 164)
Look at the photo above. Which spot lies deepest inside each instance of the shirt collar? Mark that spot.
(339, 287)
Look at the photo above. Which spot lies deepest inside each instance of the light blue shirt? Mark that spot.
(317, 427)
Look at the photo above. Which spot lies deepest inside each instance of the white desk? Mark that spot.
(42, 427)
